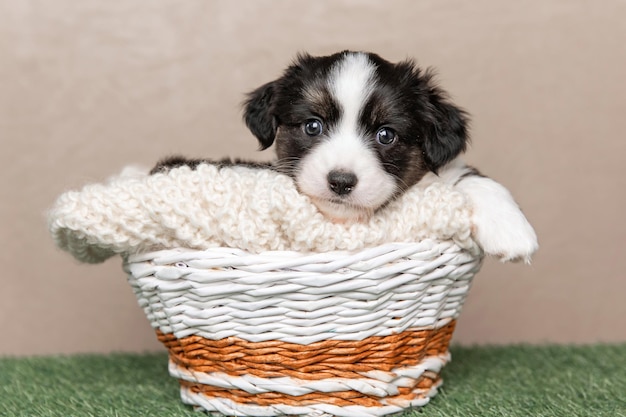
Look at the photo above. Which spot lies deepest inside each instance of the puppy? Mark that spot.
(355, 131)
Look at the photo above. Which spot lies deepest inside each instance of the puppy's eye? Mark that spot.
(386, 136)
(313, 127)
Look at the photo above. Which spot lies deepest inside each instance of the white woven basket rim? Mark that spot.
(287, 296)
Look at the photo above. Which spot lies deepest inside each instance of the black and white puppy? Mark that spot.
(355, 131)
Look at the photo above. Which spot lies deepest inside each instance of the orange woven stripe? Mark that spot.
(341, 399)
(325, 359)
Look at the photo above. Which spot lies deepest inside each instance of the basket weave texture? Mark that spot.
(286, 333)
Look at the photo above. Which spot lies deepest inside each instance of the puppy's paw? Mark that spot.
(499, 226)
(505, 234)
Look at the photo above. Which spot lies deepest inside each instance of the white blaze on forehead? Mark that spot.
(350, 83)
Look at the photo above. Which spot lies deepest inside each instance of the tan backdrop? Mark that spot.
(87, 87)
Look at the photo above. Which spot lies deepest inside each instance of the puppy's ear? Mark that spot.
(258, 114)
(446, 135)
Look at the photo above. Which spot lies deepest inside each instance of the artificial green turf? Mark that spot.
(553, 381)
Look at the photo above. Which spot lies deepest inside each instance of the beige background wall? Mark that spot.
(87, 87)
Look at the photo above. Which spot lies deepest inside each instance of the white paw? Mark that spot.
(505, 235)
(500, 227)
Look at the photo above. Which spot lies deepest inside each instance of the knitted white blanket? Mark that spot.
(248, 208)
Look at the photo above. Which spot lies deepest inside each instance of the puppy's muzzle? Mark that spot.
(341, 182)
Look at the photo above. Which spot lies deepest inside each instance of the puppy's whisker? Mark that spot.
(287, 165)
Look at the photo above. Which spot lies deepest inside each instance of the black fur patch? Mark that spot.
(176, 161)
(470, 172)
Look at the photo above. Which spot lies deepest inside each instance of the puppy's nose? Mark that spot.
(341, 182)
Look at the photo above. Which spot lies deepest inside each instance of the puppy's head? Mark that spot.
(355, 130)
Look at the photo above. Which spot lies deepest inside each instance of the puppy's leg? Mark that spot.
(500, 227)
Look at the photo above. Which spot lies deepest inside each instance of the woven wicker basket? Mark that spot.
(284, 333)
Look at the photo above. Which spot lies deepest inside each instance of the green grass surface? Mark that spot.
(551, 381)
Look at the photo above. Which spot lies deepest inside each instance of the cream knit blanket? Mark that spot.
(248, 208)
